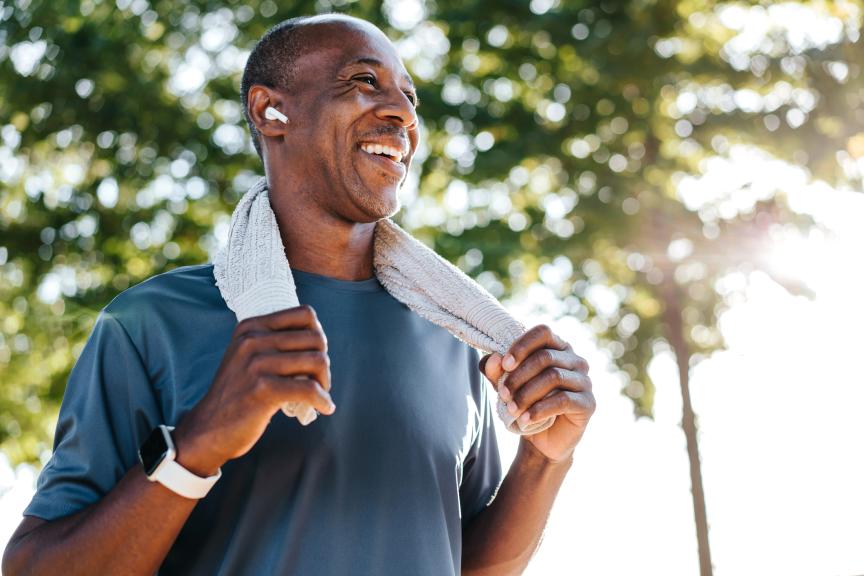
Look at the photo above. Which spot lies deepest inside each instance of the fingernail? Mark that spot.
(525, 418)
(509, 362)
(330, 403)
(504, 393)
(512, 408)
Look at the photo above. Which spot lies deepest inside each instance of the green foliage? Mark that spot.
(598, 111)
(556, 143)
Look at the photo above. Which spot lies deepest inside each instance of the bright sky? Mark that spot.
(781, 434)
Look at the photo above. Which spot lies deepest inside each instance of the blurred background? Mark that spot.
(674, 186)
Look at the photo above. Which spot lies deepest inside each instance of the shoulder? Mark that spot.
(171, 284)
(173, 294)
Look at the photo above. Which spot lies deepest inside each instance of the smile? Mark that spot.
(390, 152)
(386, 157)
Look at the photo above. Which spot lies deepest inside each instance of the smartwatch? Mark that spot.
(158, 456)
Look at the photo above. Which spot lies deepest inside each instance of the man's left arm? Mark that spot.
(546, 378)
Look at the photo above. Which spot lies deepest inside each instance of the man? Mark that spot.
(402, 478)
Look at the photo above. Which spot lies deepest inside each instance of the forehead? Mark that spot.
(333, 45)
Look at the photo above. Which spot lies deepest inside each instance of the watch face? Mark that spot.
(154, 450)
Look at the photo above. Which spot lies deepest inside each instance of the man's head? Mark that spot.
(352, 125)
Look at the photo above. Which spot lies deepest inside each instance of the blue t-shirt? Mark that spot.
(383, 486)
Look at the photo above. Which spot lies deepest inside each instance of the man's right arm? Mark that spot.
(129, 531)
(273, 359)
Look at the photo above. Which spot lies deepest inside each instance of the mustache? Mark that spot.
(400, 133)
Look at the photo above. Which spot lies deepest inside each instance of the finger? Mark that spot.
(540, 336)
(490, 366)
(282, 389)
(549, 380)
(282, 341)
(302, 316)
(494, 373)
(577, 405)
(482, 364)
(537, 362)
(315, 364)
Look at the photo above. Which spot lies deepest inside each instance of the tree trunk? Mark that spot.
(675, 334)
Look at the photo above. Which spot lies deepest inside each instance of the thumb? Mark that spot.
(491, 367)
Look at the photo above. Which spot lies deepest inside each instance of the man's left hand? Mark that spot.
(546, 378)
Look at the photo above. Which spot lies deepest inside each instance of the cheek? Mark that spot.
(413, 140)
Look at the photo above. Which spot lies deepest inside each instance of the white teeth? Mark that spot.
(394, 153)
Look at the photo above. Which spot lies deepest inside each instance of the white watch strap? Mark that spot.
(177, 479)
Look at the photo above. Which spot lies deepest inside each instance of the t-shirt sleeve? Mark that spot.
(108, 407)
(481, 469)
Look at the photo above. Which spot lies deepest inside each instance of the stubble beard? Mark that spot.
(377, 204)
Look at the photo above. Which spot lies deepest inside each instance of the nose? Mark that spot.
(397, 107)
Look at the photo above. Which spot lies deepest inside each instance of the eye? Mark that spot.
(412, 98)
(367, 78)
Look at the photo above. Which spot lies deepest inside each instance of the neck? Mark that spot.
(317, 240)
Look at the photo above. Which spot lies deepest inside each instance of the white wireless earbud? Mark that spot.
(272, 114)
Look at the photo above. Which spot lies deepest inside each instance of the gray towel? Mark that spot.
(254, 278)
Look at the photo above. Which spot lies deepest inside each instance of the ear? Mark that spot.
(260, 98)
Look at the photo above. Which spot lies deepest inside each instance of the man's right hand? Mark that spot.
(272, 359)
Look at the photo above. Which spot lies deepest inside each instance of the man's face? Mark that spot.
(353, 127)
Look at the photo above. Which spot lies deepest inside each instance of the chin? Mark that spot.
(384, 209)
(378, 205)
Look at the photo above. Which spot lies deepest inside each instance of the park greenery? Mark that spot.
(574, 144)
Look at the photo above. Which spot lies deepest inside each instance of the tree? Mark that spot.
(564, 144)
(597, 112)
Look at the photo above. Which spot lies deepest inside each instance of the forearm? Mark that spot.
(504, 536)
(129, 531)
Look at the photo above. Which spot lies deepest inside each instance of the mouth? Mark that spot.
(385, 156)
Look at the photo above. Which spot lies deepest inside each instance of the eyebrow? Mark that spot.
(378, 64)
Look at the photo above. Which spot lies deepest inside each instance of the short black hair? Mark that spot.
(271, 64)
